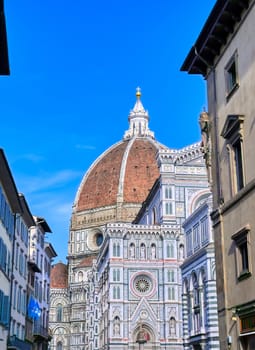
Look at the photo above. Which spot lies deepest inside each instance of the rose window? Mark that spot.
(143, 284)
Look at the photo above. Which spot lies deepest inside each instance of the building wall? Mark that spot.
(234, 214)
(136, 281)
(20, 280)
(200, 321)
(60, 319)
(6, 238)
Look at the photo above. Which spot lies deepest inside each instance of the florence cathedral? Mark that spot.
(121, 288)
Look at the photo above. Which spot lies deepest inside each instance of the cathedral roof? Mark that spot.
(59, 276)
(126, 171)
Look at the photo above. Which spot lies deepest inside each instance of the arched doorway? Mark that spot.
(144, 337)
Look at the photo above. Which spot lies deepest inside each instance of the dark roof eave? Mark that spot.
(43, 223)
(4, 59)
(52, 252)
(28, 217)
(213, 35)
(9, 185)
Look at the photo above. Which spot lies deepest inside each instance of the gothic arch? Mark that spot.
(58, 299)
(149, 333)
(197, 199)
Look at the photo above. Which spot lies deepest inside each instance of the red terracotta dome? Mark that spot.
(59, 276)
(126, 169)
(125, 173)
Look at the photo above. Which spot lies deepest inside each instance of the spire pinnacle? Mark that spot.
(138, 92)
(138, 120)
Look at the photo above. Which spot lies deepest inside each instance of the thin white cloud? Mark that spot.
(86, 147)
(35, 158)
(45, 181)
(54, 207)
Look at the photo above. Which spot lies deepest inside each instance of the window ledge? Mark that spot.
(232, 91)
(244, 275)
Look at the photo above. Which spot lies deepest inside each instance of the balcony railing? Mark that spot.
(40, 331)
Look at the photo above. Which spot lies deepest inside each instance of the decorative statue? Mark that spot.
(205, 126)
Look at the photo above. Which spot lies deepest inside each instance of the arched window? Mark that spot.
(116, 326)
(59, 312)
(153, 251)
(142, 251)
(132, 251)
(172, 326)
(181, 251)
(80, 276)
(59, 345)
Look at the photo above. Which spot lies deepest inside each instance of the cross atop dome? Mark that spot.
(138, 120)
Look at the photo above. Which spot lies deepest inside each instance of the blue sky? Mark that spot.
(75, 67)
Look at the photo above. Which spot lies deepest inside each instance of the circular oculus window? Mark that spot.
(95, 240)
(142, 284)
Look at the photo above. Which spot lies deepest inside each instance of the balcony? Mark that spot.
(40, 332)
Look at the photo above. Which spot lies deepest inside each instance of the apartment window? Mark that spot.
(241, 239)
(231, 76)
(14, 294)
(238, 164)
(233, 133)
(17, 256)
(19, 300)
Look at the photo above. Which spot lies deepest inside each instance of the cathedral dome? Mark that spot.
(123, 175)
(59, 276)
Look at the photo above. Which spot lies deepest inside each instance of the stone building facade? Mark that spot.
(123, 282)
(224, 53)
(199, 297)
